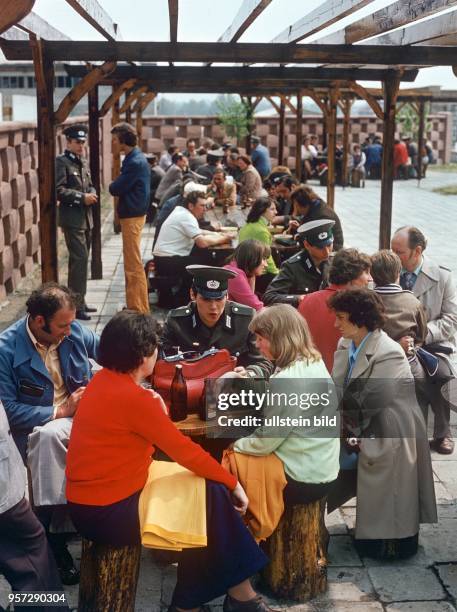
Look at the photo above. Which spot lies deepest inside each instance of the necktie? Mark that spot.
(407, 280)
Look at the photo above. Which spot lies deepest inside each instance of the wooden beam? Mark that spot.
(264, 74)
(34, 24)
(289, 104)
(144, 101)
(46, 130)
(247, 14)
(256, 102)
(331, 145)
(298, 135)
(442, 25)
(94, 160)
(281, 132)
(322, 16)
(132, 97)
(391, 85)
(347, 104)
(91, 79)
(128, 109)
(273, 104)
(316, 99)
(116, 95)
(13, 11)
(116, 167)
(173, 10)
(395, 15)
(450, 40)
(369, 99)
(420, 139)
(241, 53)
(98, 18)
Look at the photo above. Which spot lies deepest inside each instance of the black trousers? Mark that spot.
(25, 558)
(78, 245)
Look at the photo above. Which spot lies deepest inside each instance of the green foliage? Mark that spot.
(408, 121)
(236, 117)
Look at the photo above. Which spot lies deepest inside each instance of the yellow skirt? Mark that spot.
(172, 508)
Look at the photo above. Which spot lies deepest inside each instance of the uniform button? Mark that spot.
(235, 309)
(187, 311)
(237, 354)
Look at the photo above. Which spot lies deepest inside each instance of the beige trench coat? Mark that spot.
(395, 490)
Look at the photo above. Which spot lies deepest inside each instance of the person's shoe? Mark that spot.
(89, 308)
(258, 604)
(82, 316)
(443, 446)
(65, 564)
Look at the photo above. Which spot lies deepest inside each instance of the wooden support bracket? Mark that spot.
(143, 101)
(115, 96)
(273, 104)
(13, 11)
(288, 103)
(131, 98)
(91, 79)
(369, 99)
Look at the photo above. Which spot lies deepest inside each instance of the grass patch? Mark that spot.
(447, 190)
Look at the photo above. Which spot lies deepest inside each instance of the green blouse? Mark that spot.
(259, 231)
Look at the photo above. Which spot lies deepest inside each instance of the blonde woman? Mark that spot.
(311, 461)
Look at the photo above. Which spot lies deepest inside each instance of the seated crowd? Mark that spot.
(256, 266)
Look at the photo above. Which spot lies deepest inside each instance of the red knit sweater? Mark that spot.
(114, 430)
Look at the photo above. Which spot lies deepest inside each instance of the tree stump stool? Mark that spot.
(109, 577)
(298, 553)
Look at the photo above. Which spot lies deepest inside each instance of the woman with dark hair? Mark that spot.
(114, 433)
(248, 261)
(308, 206)
(383, 427)
(260, 216)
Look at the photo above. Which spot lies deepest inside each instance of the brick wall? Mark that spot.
(160, 132)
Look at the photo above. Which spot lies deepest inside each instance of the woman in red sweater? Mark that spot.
(115, 429)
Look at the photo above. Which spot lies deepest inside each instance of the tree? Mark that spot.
(408, 119)
(236, 117)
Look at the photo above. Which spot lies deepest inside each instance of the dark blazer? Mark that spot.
(133, 185)
(72, 182)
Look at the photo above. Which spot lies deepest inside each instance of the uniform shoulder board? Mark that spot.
(444, 268)
(241, 309)
(182, 311)
(294, 259)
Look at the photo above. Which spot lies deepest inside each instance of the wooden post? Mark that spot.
(420, 140)
(116, 165)
(390, 87)
(298, 136)
(331, 146)
(248, 103)
(281, 130)
(346, 123)
(46, 130)
(94, 147)
(298, 553)
(109, 577)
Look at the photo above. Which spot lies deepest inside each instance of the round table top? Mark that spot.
(194, 426)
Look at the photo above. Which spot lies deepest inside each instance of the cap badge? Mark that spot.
(81, 133)
(322, 235)
(213, 284)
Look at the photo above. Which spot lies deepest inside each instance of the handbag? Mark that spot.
(209, 364)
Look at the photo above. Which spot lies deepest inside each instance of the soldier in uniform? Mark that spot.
(211, 320)
(307, 271)
(76, 196)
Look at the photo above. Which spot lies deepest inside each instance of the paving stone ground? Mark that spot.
(426, 583)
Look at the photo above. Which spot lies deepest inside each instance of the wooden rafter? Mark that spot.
(395, 15)
(115, 96)
(173, 9)
(132, 97)
(91, 79)
(98, 18)
(322, 16)
(442, 25)
(369, 99)
(247, 14)
(14, 11)
(236, 53)
(450, 40)
(35, 25)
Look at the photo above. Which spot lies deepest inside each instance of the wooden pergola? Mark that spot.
(396, 50)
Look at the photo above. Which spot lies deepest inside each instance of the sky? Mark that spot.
(205, 20)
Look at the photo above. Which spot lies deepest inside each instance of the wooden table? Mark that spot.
(198, 430)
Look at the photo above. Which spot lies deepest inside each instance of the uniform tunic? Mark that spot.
(297, 276)
(184, 328)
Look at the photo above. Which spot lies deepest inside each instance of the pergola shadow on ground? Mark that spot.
(392, 55)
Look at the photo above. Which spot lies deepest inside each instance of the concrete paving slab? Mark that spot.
(406, 584)
(448, 576)
(440, 540)
(349, 606)
(347, 584)
(335, 523)
(341, 552)
(421, 606)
